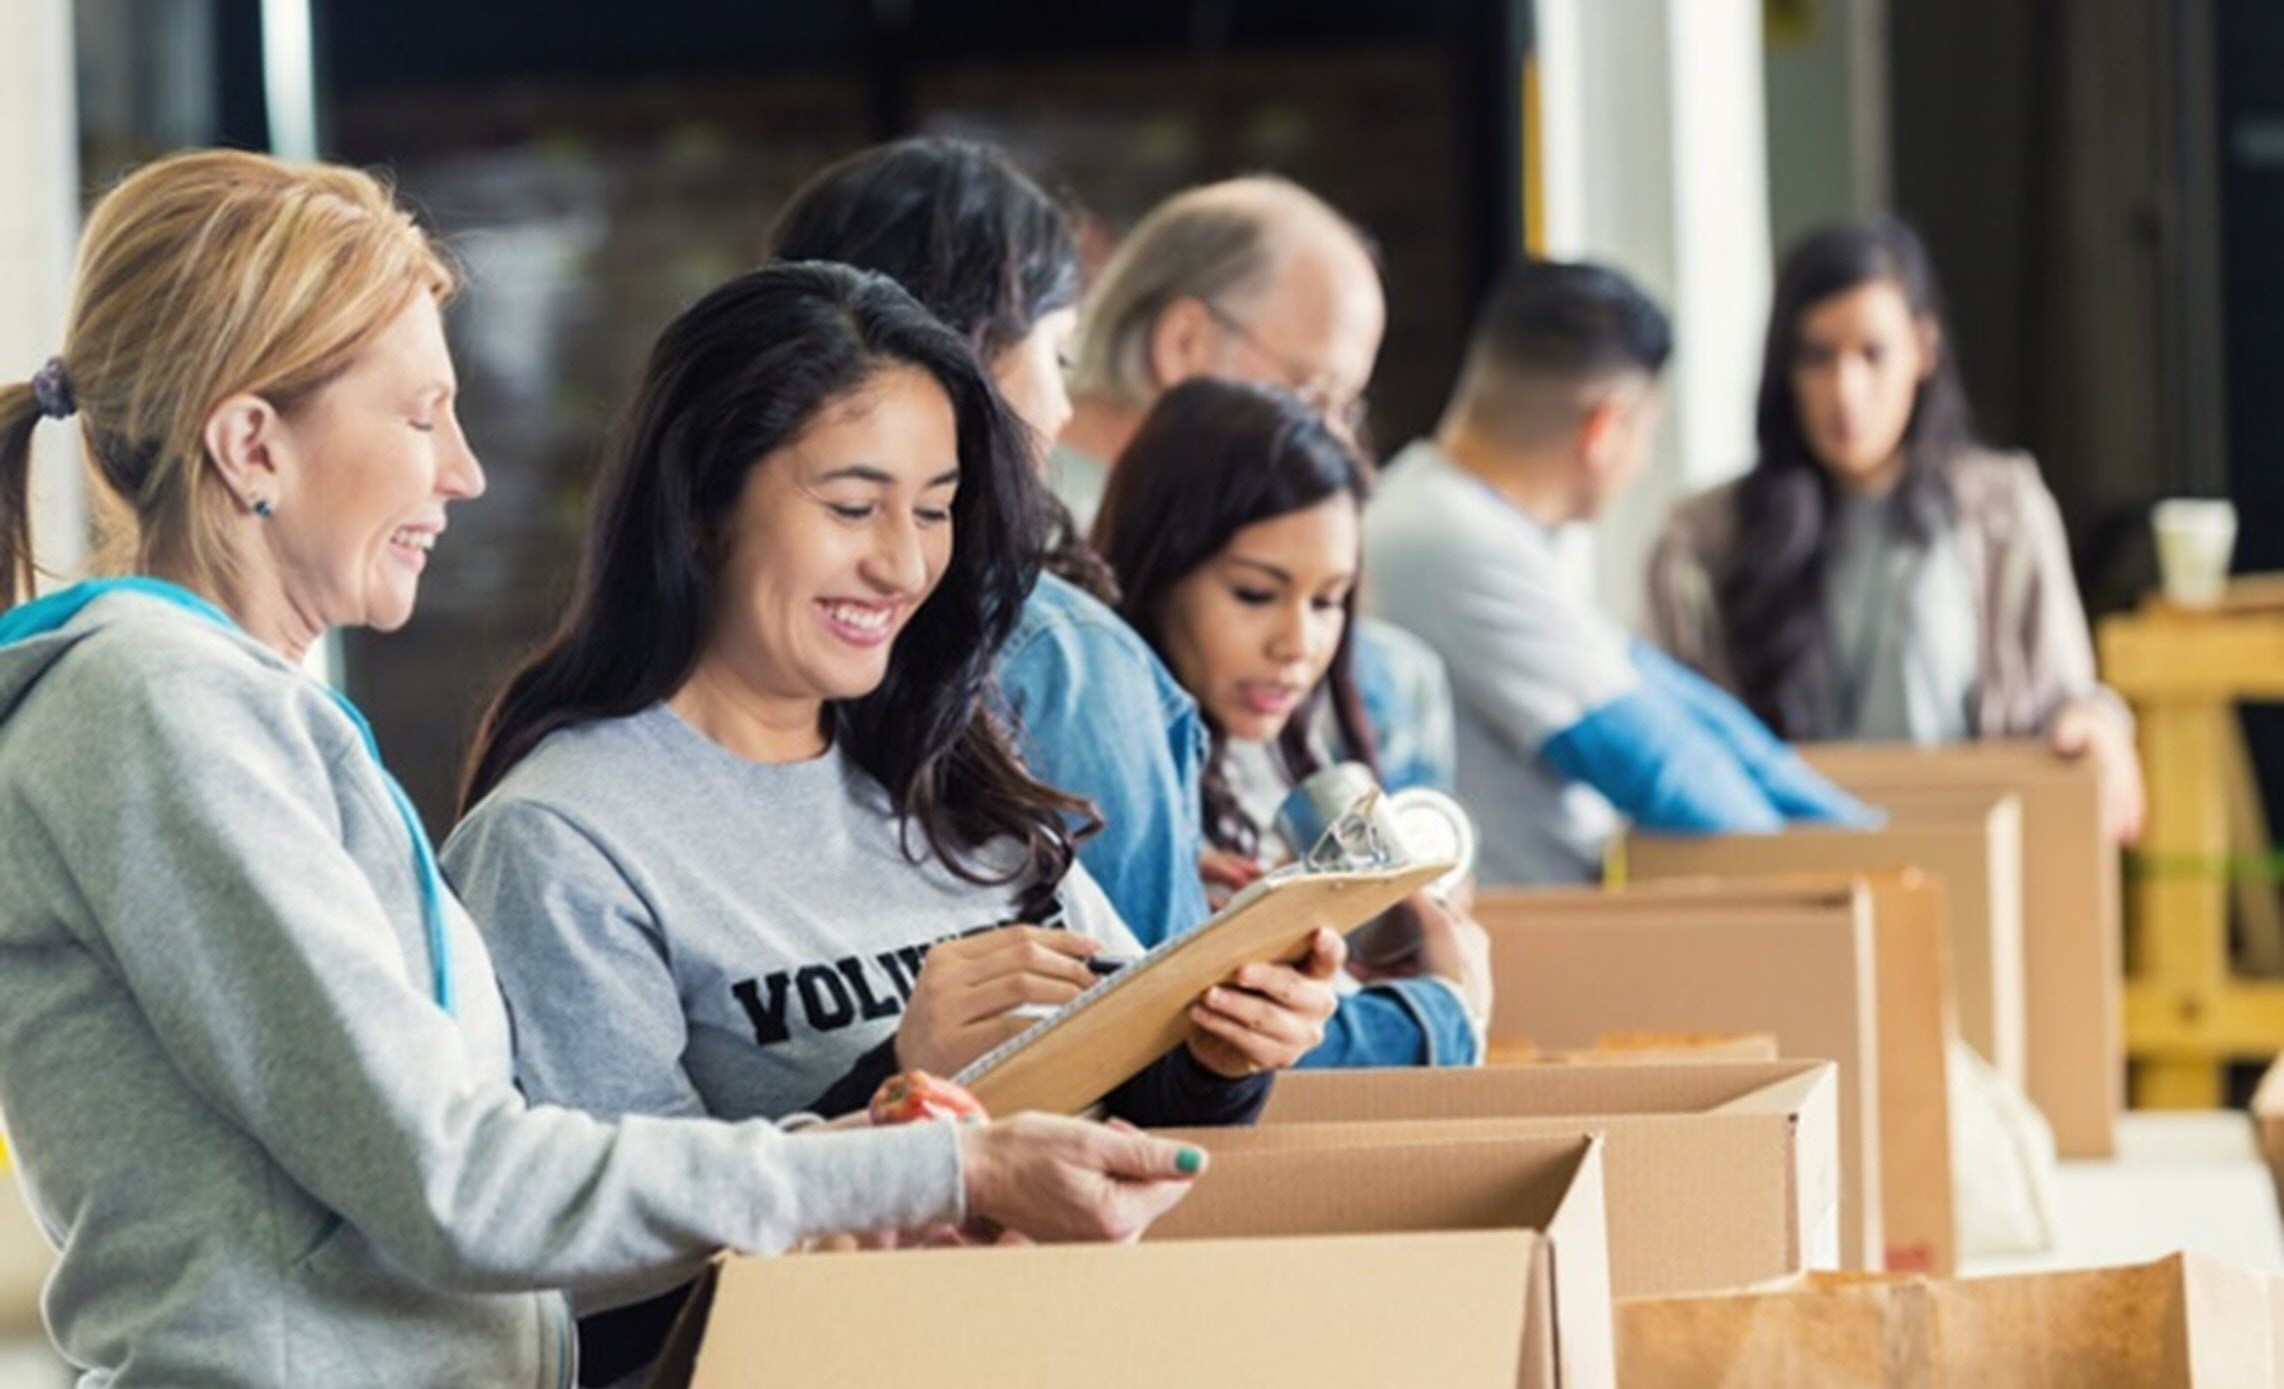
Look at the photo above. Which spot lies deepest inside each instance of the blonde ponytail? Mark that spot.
(19, 413)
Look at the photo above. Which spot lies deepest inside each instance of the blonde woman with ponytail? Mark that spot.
(253, 1060)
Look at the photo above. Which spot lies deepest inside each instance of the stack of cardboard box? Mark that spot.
(2072, 932)
(1970, 845)
(1853, 969)
(1717, 1175)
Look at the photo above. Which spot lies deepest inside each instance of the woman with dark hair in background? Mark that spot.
(1233, 522)
(992, 255)
(1879, 574)
(744, 836)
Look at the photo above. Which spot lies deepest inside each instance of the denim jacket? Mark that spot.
(1084, 690)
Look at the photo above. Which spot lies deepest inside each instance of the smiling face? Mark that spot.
(836, 540)
(364, 470)
(1856, 375)
(1254, 629)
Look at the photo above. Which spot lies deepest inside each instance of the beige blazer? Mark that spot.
(2033, 652)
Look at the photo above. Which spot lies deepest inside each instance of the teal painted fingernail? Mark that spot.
(1188, 1161)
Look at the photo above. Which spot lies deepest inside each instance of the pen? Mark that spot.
(1106, 965)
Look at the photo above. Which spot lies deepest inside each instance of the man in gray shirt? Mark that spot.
(1564, 720)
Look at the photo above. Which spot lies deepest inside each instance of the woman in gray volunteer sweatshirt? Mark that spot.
(253, 1058)
(748, 840)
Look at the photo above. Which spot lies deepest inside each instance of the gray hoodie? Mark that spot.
(266, 1154)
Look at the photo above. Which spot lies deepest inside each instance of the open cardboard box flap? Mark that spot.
(1641, 1048)
(1771, 1087)
(2183, 1322)
(1479, 1265)
(1718, 1175)
(1806, 973)
(1263, 1183)
(1272, 1312)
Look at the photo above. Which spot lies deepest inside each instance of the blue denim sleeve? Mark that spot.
(1798, 791)
(1096, 722)
(1660, 768)
(1401, 1022)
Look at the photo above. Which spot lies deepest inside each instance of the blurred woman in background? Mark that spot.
(1880, 574)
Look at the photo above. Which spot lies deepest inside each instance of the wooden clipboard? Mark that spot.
(1093, 1044)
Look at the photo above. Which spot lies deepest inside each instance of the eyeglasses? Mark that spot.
(1309, 385)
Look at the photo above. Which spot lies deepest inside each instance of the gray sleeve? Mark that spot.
(1526, 659)
(211, 855)
(599, 1023)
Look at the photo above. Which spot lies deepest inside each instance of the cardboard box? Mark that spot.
(2072, 932)
(1916, 1024)
(1640, 1048)
(1718, 1175)
(1564, 974)
(1270, 1312)
(1268, 1184)
(1918, 1021)
(2183, 1322)
(1974, 852)
(2268, 1118)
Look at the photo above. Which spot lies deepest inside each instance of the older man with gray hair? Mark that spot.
(1252, 279)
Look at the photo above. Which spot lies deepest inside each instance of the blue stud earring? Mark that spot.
(263, 509)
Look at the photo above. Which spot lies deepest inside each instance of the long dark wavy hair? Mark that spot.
(735, 378)
(987, 250)
(1771, 588)
(1211, 458)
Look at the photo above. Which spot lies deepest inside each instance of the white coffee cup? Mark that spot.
(2194, 541)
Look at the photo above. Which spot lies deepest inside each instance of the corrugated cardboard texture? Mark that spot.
(2180, 1323)
(1719, 1175)
(2268, 1118)
(1916, 1025)
(1262, 1184)
(2072, 936)
(1916, 1022)
(1279, 1314)
(1975, 856)
(1564, 976)
(1640, 1048)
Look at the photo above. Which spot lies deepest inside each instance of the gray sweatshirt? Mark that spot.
(266, 1155)
(683, 931)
